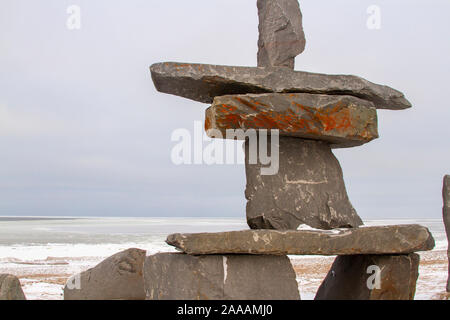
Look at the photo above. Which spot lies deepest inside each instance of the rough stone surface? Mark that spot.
(348, 278)
(281, 36)
(10, 288)
(446, 213)
(308, 189)
(371, 240)
(343, 121)
(177, 276)
(201, 82)
(120, 277)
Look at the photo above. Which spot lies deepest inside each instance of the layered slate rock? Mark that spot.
(281, 36)
(202, 82)
(446, 214)
(401, 239)
(308, 189)
(10, 288)
(173, 276)
(343, 121)
(353, 278)
(120, 277)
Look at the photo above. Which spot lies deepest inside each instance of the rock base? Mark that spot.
(10, 288)
(119, 277)
(177, 276)
(354, 278)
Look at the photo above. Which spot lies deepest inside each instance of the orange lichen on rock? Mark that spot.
(294, 115)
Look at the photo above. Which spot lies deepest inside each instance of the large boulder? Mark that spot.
(10, 288)
(371, 277)
(177, 276)
(308, 189)
(343, 121)
(120, 277)
(281, 36)
(446, 214)
(203, 82)
(371, 240)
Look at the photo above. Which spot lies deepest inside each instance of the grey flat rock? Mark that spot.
(399, 239)
(119, 277)
(173, 276)
(202, 82)
(281, 36)
(343, 121)
(446, 215)
(10, 288)
(348, 278)
(308, 189)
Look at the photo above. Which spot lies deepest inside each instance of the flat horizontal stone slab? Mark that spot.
(202, 82)
(176, 276)
(401, 239)
(343, 121)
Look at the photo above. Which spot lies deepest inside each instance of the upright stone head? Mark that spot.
(281, 36)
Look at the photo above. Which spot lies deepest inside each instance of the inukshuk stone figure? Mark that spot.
(312, 113)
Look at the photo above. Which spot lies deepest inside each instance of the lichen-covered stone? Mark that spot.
(353, 278)
(308, 189)
(202, 82)
(343, 121)
(401, 239)
(177, 276)
(120, 277)
(281, 36)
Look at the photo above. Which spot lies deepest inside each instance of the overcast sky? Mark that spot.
(83, 132)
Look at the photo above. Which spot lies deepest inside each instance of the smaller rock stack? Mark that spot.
(446, 214)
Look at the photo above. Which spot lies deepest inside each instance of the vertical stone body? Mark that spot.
(352, 278)
(446, 214)
(308, 189)
(281, 35)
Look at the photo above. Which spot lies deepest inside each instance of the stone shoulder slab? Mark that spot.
(203, 82)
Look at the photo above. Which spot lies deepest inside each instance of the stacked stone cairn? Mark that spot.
(313, 114)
